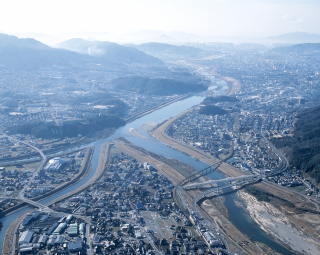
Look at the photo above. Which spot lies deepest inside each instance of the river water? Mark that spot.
(136, 133)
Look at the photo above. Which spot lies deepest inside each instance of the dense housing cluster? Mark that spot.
(43, 233)
(274, 88)
(132, 211)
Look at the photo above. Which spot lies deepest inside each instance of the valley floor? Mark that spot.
(302, 222)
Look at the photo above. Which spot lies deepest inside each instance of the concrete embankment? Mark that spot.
(141, 114)
(160, 134)
(103, 161)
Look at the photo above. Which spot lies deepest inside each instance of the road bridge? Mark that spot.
(200, 173)
(227, 187)
(219, 187)
(40, 206)
(33, 203)
(222, 182)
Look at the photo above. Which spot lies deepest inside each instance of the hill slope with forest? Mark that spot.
(303, 149)
(156, 86)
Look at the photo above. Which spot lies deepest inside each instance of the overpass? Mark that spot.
(38, 205)
(33, 203)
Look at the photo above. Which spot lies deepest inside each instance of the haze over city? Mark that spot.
(145, 20)
(168, 127)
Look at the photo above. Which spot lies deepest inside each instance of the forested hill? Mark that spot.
(304, 147)
(157, 86)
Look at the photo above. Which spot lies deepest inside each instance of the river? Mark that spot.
(237, 215)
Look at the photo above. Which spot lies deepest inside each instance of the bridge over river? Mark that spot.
(40, 206)
(218, 187)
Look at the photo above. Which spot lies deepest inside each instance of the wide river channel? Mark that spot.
(238, 216)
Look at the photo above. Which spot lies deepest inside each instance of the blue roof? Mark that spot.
(75, 245)
(139, 206)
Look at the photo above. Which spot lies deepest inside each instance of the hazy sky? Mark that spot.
(201, 17)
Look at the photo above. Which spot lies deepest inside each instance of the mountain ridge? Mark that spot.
(109, 51)
(296, 37)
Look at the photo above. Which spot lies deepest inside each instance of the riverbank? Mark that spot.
(160, 134)
(141, 114)
(214, 210)
(273, 220)
(235, 85)
(302, 220)
(10, 238)
(85, 141)
(7, 220)
(103, 161)
(142, 156)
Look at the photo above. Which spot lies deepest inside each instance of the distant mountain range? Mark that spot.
(297, 37)
(169, 51)
(312, 49)
(110, 52)
(26, 54)
(12, 41)
(148, 74)
(19, 54)
(157, 86)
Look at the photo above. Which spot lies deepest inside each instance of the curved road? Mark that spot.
(41, 166)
